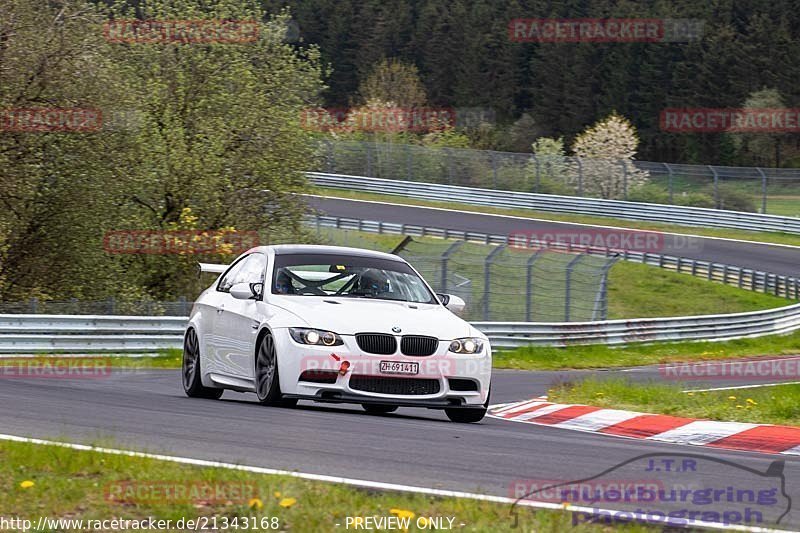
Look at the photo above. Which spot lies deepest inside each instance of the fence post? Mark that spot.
(331, 159)
(601, 300)
(369, 160)
(529, 284)
(716, 186)
(487, 278)
(184, 305)
(111, 305)
(580, 176)
(568, 285)
(763, 191)
(669, 181)
(34, 303)
(450, 172)
(538, 173)
(624, 179)
(445, 257)
(493, 160)
(409, 172)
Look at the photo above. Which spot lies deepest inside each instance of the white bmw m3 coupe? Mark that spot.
(334, 324)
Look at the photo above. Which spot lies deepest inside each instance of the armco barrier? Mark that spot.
(672, 214)
(744, 278)
(26, 334)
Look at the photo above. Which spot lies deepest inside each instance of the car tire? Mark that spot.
(190, 370)
(378, 408)
(469, 415)
(466, 415)
(268, 385)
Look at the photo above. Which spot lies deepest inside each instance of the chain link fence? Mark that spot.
(753, 189)
(503, 283)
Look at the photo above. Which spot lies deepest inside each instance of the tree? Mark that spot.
(762, 148)
(216, 133)
(606, 150)
(392, 80)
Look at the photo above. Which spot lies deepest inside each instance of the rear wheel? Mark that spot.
(268, 387)
(378, 408)
(190, 369)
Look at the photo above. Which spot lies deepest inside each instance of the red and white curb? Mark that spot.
(764, 438)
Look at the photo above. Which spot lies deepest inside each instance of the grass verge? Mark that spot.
(40, 480)
(773, 237)
(779, 404)
(602, 356)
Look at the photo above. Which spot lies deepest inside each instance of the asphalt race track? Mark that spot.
(775, 259)
(147, 411)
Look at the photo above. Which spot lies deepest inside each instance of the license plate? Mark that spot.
(396, 367)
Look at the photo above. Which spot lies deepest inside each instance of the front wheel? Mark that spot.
(268, 387)
(190, 370)
(466, 415)
(378, 408)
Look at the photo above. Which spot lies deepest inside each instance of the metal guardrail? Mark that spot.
(671, 214)
(744, 278)
(561, 174)
(25, 334)
(617, 332)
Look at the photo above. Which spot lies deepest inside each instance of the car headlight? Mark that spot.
(467, 345)
(315, 336)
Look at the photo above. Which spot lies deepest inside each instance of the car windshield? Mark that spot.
(348, 277)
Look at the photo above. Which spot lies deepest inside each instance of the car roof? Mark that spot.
(285, 249)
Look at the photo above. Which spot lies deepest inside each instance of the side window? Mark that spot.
(249, 269)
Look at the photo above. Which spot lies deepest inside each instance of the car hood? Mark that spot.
(347, 316)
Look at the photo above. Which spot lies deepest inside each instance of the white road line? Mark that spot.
(516, 217)
(374, 484)
(755, 386)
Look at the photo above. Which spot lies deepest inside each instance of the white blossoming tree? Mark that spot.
(606, 150)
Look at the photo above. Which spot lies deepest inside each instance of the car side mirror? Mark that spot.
(453, 303)
(247, 291)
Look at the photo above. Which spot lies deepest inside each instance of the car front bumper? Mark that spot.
(444, 379)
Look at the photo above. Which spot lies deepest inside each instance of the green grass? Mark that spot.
(77, 485)
(601, 356)
(773, 237)
(767, 405)
(637, 291)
